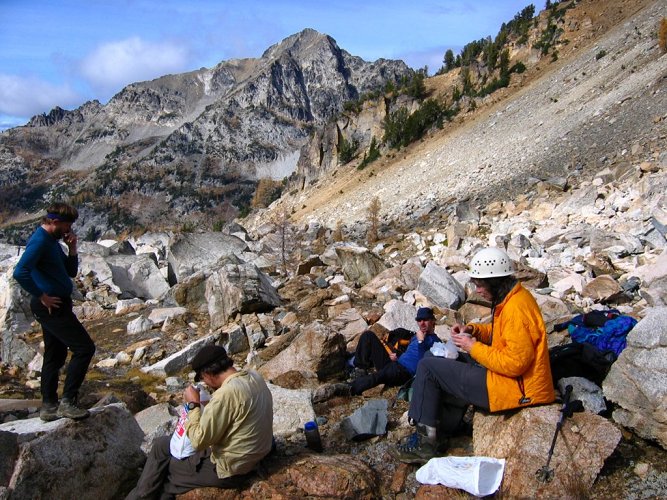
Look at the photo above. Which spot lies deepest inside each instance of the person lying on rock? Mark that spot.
(507, 367)
(393, 369)
(231, 437)
(45, 272)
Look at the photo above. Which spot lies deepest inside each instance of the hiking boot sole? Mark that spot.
(73, 416)
(48, 417)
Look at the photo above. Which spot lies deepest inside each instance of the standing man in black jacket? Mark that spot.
(45, 271)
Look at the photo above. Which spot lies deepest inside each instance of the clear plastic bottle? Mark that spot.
(313, 440)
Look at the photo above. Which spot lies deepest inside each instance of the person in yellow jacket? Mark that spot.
(507, 363)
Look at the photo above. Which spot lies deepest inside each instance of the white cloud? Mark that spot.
(116, 64)
(28, 96)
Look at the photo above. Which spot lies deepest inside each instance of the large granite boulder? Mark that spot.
(317, 350)
(192, 252)
(238, 288)
(440, 287)
(653, 276)
(337, 476)
(94, 263)
(191, 292)
(393, 283)
(317, 476)
(151, 243)
(350, 324)
(179, 360)
(96, 458)
(398, 314)
(137, 276)
(358, 263)
(636, 381)
(15, 319)
(292, 408)
(523, 439)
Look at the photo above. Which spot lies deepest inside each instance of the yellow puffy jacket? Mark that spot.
(514, 351)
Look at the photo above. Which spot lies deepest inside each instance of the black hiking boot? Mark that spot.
(69, 409)
(49, 412)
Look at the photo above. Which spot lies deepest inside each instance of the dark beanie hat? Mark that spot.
(206, 356)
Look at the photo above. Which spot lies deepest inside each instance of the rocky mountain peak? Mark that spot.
(222, 129)
(301, 43)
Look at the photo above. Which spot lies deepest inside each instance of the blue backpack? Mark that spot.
(606, 330)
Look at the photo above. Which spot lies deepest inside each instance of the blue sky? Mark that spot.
(66, 52)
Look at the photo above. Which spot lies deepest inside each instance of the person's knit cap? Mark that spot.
(206, 356)
(424, 313)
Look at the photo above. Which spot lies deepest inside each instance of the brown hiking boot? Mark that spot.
(68, 409)
(49, 412)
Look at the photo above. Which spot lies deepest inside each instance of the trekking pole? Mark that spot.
(545, 474)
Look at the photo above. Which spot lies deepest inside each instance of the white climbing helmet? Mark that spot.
(491, 263)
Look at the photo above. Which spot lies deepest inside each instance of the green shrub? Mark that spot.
(372, 154)
(402, 128)
(518, 68)
(416, 88)
(347, 150)
(394, 123)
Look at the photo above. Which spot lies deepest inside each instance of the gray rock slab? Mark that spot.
(156, 421)
(179, 360)
(358, 263)
(192, 252)
(238, 288)
(368, 421)
(585, 391)
(138, 276)
(160, 315)
(315, 350)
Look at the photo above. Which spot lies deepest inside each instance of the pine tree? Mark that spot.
(449, 61)
(662, 34)
(373, 220)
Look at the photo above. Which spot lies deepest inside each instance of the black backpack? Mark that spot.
(580, 360)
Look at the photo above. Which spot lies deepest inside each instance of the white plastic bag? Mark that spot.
(180, 445)
(479, 476)
(445, 350)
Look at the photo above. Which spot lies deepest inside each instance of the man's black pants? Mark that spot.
(62, 330)
(370, 352)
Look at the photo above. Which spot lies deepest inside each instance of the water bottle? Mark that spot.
(313, 440)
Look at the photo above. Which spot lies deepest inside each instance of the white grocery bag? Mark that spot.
(445, 350)
(180, 445)
(479, 476)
